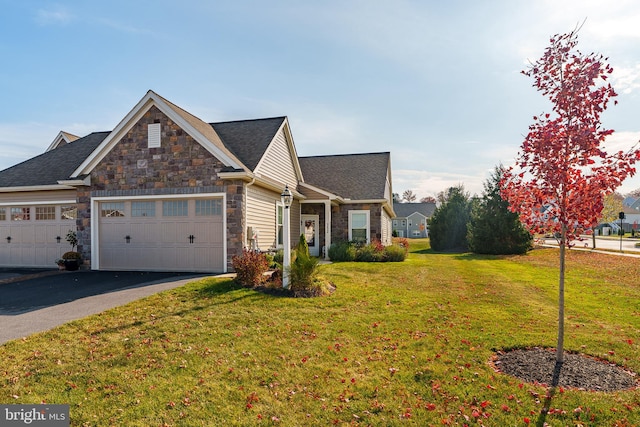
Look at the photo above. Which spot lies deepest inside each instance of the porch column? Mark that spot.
(327, 228)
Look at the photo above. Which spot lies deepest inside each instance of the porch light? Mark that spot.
(287, 198)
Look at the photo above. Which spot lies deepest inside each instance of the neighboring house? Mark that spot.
(166, 191)
(411, 219)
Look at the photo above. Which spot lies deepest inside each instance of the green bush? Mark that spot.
(342, 252)
(394, 253)
(303, 271)
(372, 252)
(250, 268)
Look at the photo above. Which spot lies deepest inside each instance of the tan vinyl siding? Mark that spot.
(261, 215)
(27, 197)
(277, 163)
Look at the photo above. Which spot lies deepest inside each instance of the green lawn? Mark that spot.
(397, 344)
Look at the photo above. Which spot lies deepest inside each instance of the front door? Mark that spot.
(309, 226)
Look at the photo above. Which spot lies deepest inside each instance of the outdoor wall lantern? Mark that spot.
(287, 198)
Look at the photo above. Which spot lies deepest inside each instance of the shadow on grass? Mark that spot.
(550, 394)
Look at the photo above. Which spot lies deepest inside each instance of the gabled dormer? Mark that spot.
(62, 139)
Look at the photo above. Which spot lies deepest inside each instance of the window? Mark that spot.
(209, 207)
(359, 226)
(279, 225)
(3, 214)
(175, 208)
(20, 214)
(68, 212)
(112, 210)
(45, 213)
(139, 209)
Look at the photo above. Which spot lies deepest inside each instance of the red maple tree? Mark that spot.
(562, 172)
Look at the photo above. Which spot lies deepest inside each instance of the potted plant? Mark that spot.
(71, 259)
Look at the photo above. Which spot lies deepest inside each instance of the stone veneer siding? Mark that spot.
(340, 220)
(180, 166)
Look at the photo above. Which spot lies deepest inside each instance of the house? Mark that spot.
(411, 219)
(167, 191)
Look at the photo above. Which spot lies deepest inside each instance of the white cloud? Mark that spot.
(56, 15)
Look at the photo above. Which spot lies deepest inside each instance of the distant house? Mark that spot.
(411, 219)
(167, 191)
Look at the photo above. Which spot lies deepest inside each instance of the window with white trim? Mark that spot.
(146, 209)
(209, 207)
(3, 214)
(68, 212)
(359, 226)
(45, 213)
(20, 214)
(175, 208)
(111, 209)
(279, 225)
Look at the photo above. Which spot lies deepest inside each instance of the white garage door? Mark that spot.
(34, 236)
(162, 235)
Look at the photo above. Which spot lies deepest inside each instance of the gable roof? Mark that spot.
(248, 140)
(52, 166)
(202, 132)
(404, 210)
(350, 176)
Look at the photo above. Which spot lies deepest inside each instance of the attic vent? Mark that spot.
(154, 135)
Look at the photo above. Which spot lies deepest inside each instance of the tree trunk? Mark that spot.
(593, 235)
(560, 346)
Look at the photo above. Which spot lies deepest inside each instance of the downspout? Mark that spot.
(327, 227)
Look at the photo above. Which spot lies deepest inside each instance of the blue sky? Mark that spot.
(437, 84)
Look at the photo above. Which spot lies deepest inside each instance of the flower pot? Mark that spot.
(71, 264)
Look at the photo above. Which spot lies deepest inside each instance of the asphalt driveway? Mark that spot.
(33, 301)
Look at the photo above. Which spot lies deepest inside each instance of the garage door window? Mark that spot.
(20, 214)
(147, 209)
(111, 210)
(45, 213)
(208, 207)
(175, 208)
(3, 214)
(68, 212)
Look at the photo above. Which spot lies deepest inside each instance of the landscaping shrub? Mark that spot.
(342, 252)
(303, 268)
(250, 268)
(395, 253)
(372, 252)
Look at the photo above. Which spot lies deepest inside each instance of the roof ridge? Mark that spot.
(248, 120)
(345, 155)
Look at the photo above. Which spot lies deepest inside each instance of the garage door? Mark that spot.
(34, 236)
(162, 235)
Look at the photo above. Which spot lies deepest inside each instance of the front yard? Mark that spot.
(397, 344)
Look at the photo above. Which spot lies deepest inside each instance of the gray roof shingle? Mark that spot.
(403, 210)
(351, 176)
(55, 165)
(248, 139)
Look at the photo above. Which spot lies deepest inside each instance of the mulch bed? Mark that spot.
(537, 365)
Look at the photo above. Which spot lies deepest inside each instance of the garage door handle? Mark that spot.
(128, 239)
(191, 238)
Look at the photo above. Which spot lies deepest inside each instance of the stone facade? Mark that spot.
(179, 166)
(340, 220)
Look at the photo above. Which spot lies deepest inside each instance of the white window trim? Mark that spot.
(279, 206)
(368, 214)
